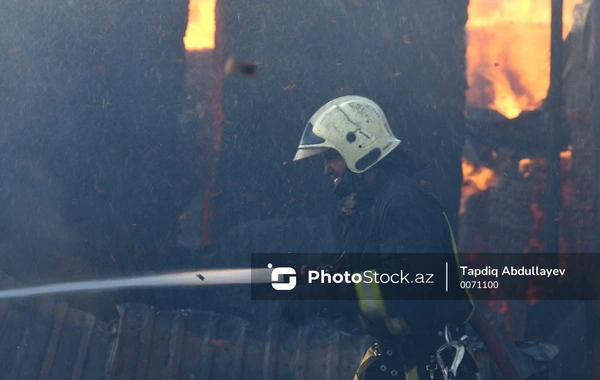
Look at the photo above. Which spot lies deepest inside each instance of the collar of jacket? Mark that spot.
(365, 196)
(370, 190)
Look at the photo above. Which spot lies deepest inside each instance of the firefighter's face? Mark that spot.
(334, 165)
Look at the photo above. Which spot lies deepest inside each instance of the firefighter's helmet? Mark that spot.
(354, 126)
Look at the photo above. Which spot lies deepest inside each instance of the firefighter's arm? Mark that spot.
(398, 236)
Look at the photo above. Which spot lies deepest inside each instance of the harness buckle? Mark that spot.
(459, 347)
(431, 370)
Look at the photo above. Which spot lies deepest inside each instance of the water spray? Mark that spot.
(195, 278)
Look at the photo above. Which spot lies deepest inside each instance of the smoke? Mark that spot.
(34, 240)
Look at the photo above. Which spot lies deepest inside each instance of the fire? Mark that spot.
(526, 164)
(508, 53)
(475, 179)
(200, 33)
(566, 158)
(525, 167)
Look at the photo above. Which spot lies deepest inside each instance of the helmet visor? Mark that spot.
(309, 137)
(308, 152)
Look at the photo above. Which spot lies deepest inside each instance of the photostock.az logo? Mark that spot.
(278, 276)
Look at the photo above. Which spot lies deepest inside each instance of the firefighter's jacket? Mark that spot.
(391, 217)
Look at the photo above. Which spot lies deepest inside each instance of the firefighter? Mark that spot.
(384, 215)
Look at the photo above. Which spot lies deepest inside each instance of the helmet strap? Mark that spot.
(350, 183)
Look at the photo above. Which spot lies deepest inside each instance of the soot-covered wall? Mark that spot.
(407, 55)
(93, 173)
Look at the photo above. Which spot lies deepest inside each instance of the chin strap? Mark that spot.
(348, 184)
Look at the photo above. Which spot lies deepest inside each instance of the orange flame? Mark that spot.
(508, 53)
(475, 179)
(526, 164)
(200, 33)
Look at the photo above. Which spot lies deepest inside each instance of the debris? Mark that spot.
(234, 66)
(201, 277)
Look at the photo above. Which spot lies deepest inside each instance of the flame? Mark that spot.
(200, 32)
(566, 158)
(508, 53)
(525, 167)
(475, 179)
(526, 164)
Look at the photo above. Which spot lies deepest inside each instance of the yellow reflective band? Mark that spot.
(457, 259)
(411, 374)
(397, 326)
(372, 305)
(370, 300)
(454, 247)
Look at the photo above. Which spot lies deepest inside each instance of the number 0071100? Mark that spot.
(479, 284)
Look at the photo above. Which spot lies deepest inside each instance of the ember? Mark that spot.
(508, 53)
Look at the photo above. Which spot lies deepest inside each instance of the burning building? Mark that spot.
(508, 69)
(121, 124)
(506, 149)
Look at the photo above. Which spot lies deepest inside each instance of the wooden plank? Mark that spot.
(114, 354)
(197, 325)
(102, 344)
(160, 351)
(333, 357)
(239, 353)
(300, 359)
(12, 329)
(228, 338)
(208, 350)
(127, 356)
(254, 342)
(23, 345)
(176, 345)
(354, 348)
(59, 316)
(84, 344)
(270, 357)
(41, 332)
(146, 343)
(68, 345)
(287, 356)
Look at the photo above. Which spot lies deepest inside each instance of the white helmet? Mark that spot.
(352, 125)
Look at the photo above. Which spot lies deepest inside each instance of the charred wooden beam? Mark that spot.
(594, 306)
(525, 136)
(553, 196)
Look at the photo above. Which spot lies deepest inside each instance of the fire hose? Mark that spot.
(507, 366)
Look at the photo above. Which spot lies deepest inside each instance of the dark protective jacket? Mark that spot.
(391, 217)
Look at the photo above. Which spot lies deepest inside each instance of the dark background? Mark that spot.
(97, 167)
